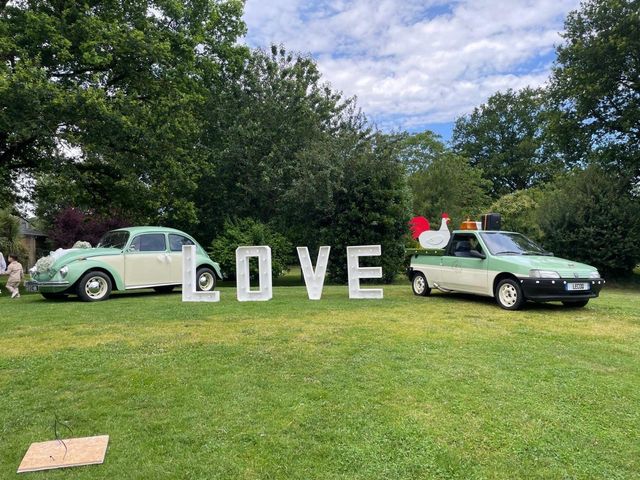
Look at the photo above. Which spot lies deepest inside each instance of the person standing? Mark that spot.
(16, 273)
(3, 265)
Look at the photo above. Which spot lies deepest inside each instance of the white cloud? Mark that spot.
(411, 62)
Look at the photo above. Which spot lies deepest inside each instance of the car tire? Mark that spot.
(509, 294)
(94, 286)
(205, 279)
(575, 303)
(164, 289)
(420, 285)
(54, 296)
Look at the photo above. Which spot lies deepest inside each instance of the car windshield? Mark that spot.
(114, 239)
(503, 243)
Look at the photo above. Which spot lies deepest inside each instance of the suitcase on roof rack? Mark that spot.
(491, 221)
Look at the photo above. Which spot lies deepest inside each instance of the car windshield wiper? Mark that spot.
(508, 252)
(534, 252)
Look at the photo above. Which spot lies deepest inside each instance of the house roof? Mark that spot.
(27, 228)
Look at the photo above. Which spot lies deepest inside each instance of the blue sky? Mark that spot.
(416, 64)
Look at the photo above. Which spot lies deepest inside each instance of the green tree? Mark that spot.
(449, 184)
(507, 137)
(371, 205)
(105, 98)
(596, 83)
(440, 180)
(417, 151)
(589, 216)
(521, 212)
(256, 133)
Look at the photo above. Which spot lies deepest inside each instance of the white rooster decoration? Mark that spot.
(430, 239)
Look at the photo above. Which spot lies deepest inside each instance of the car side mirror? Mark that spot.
(477, 254)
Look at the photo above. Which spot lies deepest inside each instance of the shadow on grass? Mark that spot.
(453, 297)
(114, 296)
(489, 301)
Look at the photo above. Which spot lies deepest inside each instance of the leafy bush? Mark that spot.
(248, 232)
(71, 225)
(593, 217)
(520, 212)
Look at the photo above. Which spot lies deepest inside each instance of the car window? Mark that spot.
(475, 244)
(463, 244)
(149, 242)
(177, 241)
(114, 239)
(507, 243)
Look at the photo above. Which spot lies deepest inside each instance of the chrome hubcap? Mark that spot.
(418, 284)
(96, 287)
(508, 295)
(205, 281)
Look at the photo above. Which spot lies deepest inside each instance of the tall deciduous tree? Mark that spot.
(596, 82)
(105, 98)
(371, 205)
(256, 135)
(507, 138)
(417, 151)
(441, 180)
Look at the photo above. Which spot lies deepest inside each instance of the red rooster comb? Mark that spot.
(445, 215)
(418, 225)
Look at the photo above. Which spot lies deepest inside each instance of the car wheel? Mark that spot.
(420, 285)
(509, 294)
(575, 303)
(164, 289)
(94, 286)
(206, 279)
(54, 296)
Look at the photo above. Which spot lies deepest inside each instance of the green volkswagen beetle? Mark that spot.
(124, 259)
(507, 266)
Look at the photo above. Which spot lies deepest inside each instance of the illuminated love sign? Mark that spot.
(313, 277)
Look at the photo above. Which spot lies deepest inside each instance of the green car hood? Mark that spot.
(82, 253)
(566, 268)
(77, 253)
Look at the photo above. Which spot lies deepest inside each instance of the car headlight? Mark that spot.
(595, 274)
(543, 274)
(64, 271)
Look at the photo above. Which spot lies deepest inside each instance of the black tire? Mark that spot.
(420, 285)
(509, 295)
(94, 287)
(164, 289)
(575, 303)
(54, 296)
(205, 280)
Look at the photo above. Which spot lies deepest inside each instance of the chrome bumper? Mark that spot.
(35, 286)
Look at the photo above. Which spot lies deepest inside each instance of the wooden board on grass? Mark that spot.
(53, 454)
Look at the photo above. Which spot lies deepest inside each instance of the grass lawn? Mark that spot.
(406, 387)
